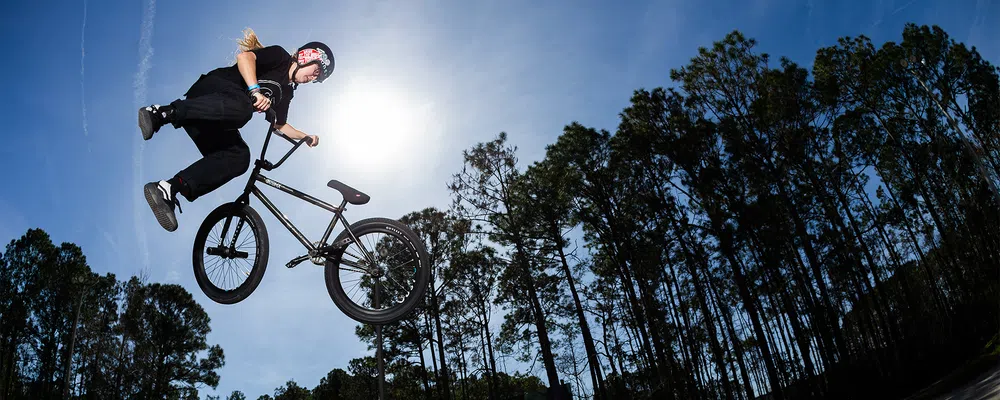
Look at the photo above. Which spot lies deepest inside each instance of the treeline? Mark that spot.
(67, 332)
(757, 230)
(360, 382)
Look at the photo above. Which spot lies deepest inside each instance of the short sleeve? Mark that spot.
(271, 57)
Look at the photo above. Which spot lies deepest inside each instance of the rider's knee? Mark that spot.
(246, 113)
(242, 152)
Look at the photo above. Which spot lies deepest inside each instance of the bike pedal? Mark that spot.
(296, 261)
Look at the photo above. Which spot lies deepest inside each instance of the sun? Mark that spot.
(379, 128)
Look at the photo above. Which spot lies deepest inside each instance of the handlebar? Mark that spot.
(270, 129)
(270, 111)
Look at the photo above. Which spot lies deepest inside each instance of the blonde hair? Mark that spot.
(249, 41)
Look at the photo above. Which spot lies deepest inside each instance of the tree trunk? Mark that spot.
(827, 310)
(528, 285)
(881, 301)
(713, 335)
(890, 246)
(737, 345)
(678, 306)
(436, 311)
(619, 351)
(802, 339)
(749, 303)
(635, 309)
(725, 340)
(687, 348)
(423, 363)
(486, 366)
(633, 348)
(612, 241)
(653, 315)
(492, 358)
(69, 358)
(121, 367)
(588, 340)
(430, 343)
(465, 373)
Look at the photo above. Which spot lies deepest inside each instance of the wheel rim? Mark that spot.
(378, 263)
(229, 261)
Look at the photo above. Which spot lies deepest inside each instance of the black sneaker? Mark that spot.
(162, 202)
(151, 118)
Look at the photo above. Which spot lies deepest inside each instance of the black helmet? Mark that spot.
(318, 53)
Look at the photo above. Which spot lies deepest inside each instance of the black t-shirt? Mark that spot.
(272, 76)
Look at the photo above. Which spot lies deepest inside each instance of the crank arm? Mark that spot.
(296, 261)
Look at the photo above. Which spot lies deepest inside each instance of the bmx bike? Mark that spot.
(388, 299)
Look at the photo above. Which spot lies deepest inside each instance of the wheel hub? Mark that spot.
(377, 271)
(226, 252)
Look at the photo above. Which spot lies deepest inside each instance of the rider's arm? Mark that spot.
(290, 131)
(263, 59)
(246, 62)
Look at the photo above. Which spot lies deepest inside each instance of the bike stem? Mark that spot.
(262, 163)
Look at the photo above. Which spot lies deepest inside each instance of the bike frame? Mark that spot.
(251, 188)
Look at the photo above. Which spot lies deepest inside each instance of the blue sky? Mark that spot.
(416, 82)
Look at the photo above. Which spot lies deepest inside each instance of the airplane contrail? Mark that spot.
(146, 52)
(83, 53)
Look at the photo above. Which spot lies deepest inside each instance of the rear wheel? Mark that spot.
(384, 262)
(230, 253)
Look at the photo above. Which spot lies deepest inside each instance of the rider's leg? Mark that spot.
(225, 156)
(209, 100)
(230, 109)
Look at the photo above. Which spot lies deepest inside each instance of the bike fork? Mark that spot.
(244, 198)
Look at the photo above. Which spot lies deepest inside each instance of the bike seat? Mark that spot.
(350, 194)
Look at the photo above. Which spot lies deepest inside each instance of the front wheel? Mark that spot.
(382, 273)
(230, 253)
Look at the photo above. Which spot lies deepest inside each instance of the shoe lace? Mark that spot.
(177, 204)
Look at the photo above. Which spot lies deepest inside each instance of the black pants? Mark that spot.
(212, 113)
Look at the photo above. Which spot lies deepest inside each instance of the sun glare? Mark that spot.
(380, 129)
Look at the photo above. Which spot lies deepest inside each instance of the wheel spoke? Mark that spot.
(228, 269)
(357, 268)
(386, 261)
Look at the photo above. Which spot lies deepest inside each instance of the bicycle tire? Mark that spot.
(395, 313)
(256, 225)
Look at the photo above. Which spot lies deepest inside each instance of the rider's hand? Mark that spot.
(261, 102)
(312, 140)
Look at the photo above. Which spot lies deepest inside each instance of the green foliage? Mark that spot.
(116, 339)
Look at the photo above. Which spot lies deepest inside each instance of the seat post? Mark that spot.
(333, 222)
